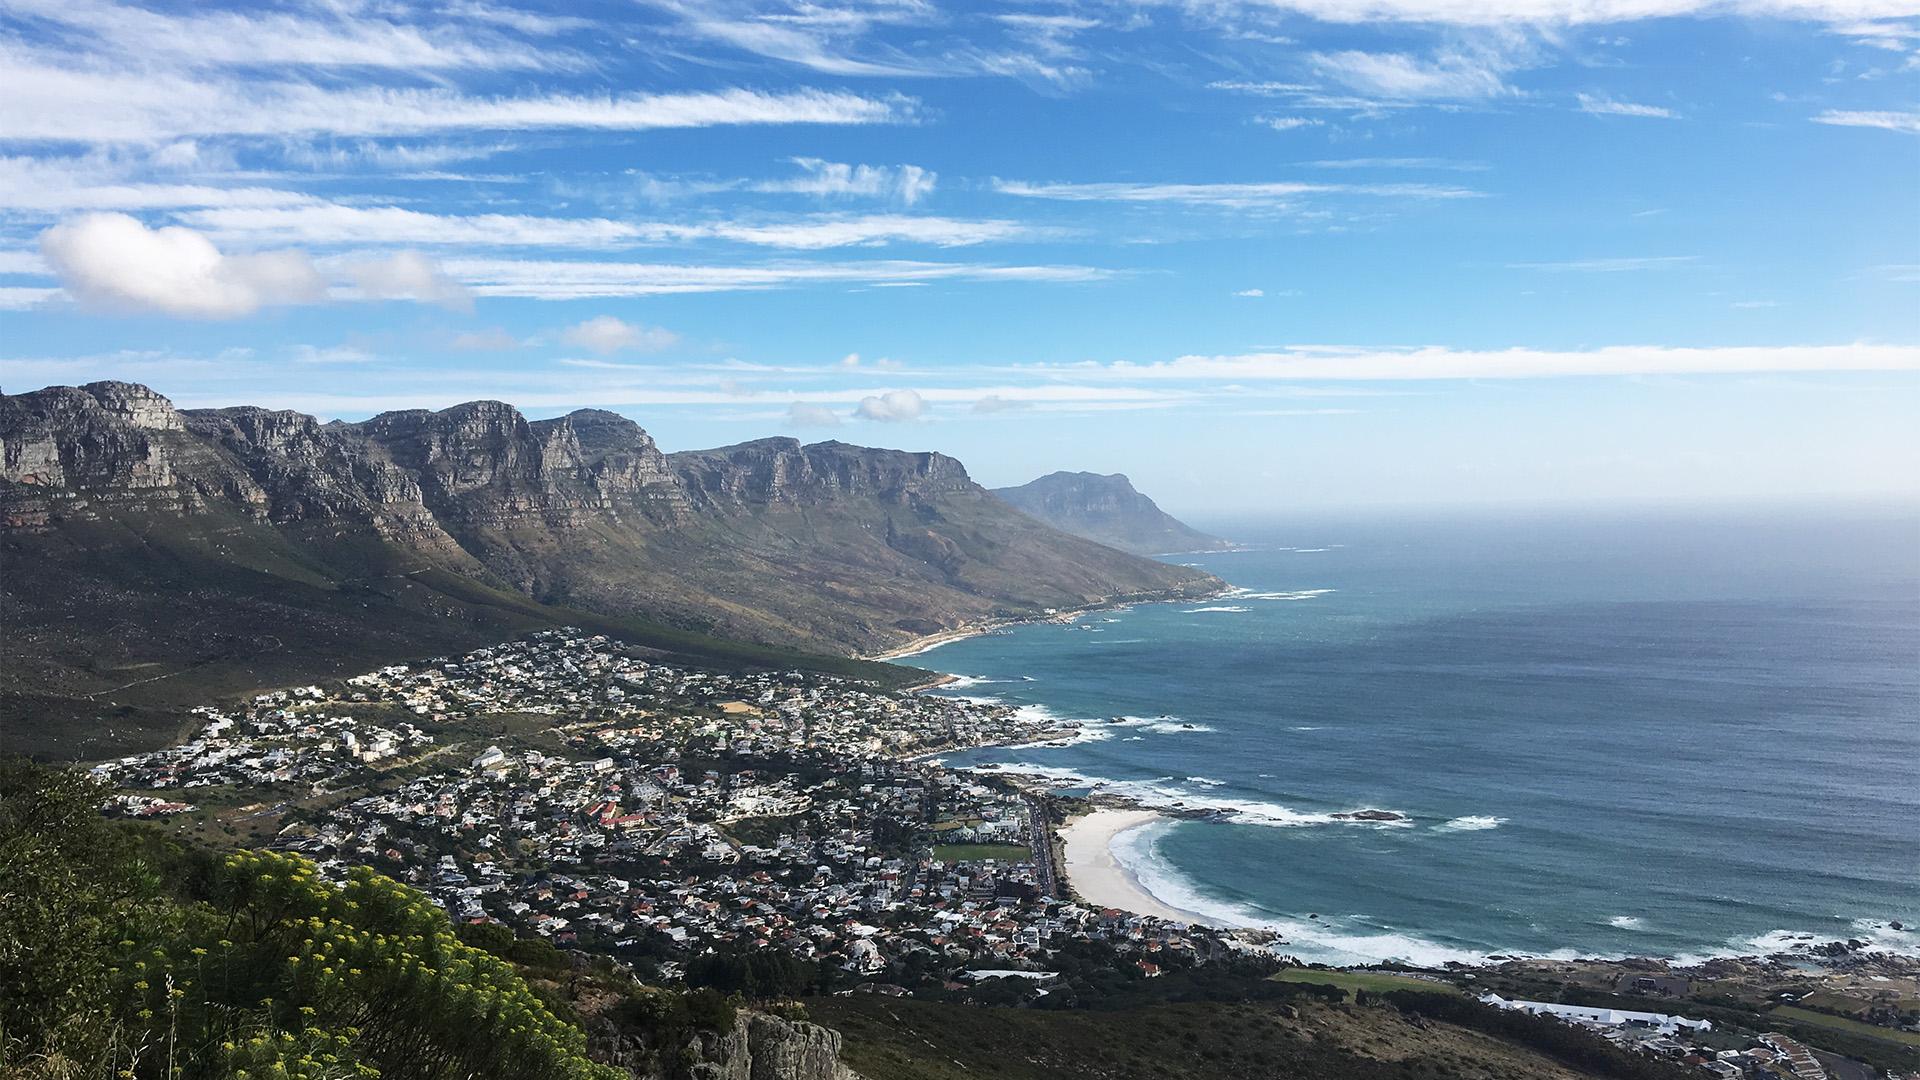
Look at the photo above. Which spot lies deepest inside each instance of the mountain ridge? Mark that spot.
(143, 540)
(1107, 509)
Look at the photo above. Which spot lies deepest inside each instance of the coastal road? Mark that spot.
(1040, 837)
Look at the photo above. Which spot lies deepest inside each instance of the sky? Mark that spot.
(1260, 255)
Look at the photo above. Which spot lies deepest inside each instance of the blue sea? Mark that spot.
(1654, 733)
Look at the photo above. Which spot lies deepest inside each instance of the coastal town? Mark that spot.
(570, 788)
(575, 790)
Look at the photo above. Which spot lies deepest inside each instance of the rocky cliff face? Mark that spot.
(1108, 510)
(824, 546)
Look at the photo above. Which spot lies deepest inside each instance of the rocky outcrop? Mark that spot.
(759, 1046)
(823, 545)
(1107, 510)
(763, 1047)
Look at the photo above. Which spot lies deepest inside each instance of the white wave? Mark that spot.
(1165, 793)
(1325, 940)
(1308, 551)
(1297, 594)
(1625, 922)
(1471, 823)
(1160, 725)
(1306, 727)
(1216, 607)
(1206, 781)
(962, 682)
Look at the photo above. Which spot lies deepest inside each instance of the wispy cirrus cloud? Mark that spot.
(907, 184)
(1553, 13)
(318, 37)
(1625, 264)
(570, 280)
(1221, 194)
(1907, 123)
(46, 100)
(1450, 75)
(1309, 363)
(1595, 105)
(318, 223)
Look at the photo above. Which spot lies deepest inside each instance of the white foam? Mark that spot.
(1167, 793)
(1325, 940)
(1217, 607)
(1625, 922)
(1471, 823)
(1160, 725)
(1206, 781)
(1297, 594)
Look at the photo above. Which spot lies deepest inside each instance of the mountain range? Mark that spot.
(153, 553)
(1107, 510)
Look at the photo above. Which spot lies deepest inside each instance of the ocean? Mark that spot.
(1655, 733)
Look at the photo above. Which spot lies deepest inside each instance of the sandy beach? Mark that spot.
(1098, 877)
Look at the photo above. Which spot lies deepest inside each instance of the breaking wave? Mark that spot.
(1297, 594)
(1471, 823)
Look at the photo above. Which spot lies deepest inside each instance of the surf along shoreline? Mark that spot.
(1083, 848)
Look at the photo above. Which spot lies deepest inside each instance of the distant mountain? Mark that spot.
(249, 546)
(1107, 510)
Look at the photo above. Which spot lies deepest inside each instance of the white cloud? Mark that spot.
(606, 334)
(407, 275)
(906, 184)
(492, 340)
(62, 184)
(1907, 123)
(65, 101)
(803, 414)
(333, 223)
(874, 229)
(1400, 77)
(1435, 362)
(335, 354)
(1251, 293)
(851, 360)
(995, 403)
(1599, 106)
(567, 280)
(1482, 13)
(1290, 123)
(893, 406)
(213, 38)
(1622, 265)
(115, 262)
(1231, 195)
(21, 297)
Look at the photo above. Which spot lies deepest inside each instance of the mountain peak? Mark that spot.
(1107, 508)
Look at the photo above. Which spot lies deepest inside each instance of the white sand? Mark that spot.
(1099, 878)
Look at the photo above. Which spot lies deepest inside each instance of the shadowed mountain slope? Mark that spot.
(150, 553)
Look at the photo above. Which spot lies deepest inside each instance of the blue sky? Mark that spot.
(1259, 254)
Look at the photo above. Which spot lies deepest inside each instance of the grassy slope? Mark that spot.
(113, 629)
(1351, 981)
(903, 1039)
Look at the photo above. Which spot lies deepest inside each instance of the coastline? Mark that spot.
(929, 642)
(1101, 880)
